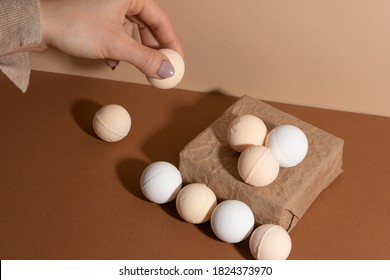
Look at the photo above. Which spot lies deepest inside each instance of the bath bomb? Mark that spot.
(289, 144)
(111, 123)
(245, 131)
(160, 182)
(179, 66)
(258, 166)
(232, 221)
(270, 242)
(195, 202)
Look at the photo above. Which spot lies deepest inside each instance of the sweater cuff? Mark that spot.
(20, 26)
(17, 68)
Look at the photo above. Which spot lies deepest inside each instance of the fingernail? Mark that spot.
(112, 63)
(166, 70)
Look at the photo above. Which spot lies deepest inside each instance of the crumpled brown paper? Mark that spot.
(209, 159)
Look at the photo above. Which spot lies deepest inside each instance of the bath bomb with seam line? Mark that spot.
(111, 123)
(160, 182)
(178, 64)
(258, 166)
(245, 131)
(270, 242)
(232, 221)
(289, 143)
(195, 202)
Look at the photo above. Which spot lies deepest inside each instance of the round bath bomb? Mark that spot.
(111, 123)
(270, 242)
(179, 66)
(289, 144)
(245, 131)
(160, 182)
(258, 166)
(232, 221)
(195, 202)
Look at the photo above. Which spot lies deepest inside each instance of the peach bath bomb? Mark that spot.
(195, 202)
(111, 123)
(289, 144)
(245, 131)
(232, 221)
(179, 68)
(160, 182)
(258, 166)
(270, 242)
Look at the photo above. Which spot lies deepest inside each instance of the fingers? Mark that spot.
(156, 31)
(151, 62)
(128, 28)
(155, 23)
(146, 36)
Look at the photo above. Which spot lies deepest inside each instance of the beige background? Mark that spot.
(328, 54)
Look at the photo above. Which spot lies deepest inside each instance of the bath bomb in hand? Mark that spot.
(258, 166)
(245, 131)
(111, 123)
(195, 202)
(232, 221)
(270, 242)
(289, 144)
(178, 64)
(160, 182)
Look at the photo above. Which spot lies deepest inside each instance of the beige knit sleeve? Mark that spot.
(20, 26)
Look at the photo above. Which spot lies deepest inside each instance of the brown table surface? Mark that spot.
(64, 194)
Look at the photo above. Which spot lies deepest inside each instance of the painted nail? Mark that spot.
(112, 63)
(166, 70)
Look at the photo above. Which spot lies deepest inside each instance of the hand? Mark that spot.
(102, 29)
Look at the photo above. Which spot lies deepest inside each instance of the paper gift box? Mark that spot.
(210, 160)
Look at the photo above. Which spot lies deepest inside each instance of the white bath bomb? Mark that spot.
(258, 166)
(160, 182)
(195, 202)
(232, 221)
(111, 123)
(179, 66)
(270, 242)
(289, 144)
(245, 131)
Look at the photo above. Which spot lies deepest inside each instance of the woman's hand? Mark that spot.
(102, 29)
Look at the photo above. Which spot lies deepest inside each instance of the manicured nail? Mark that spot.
(166, 70)
(112, 63)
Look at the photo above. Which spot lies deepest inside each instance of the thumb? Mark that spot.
(153, 63)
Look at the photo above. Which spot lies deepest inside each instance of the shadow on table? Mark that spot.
(83, 112)
(129, 171)
(186, 123)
